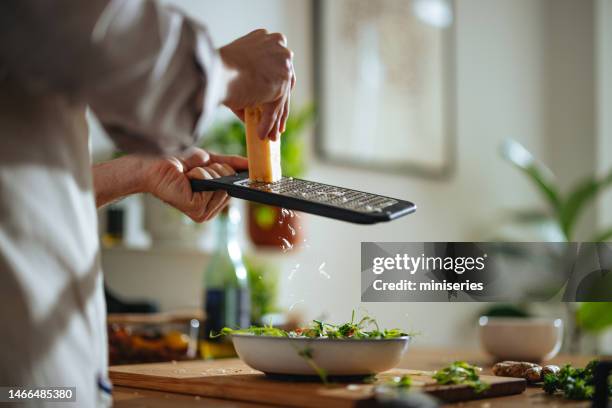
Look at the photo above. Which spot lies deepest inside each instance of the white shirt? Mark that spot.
(140, 68)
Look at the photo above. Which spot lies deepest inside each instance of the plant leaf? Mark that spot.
(603, 236)
(594, 316)
(300, 119)
(230, 138)
(292, 145)
(577, 200)
(537, 172)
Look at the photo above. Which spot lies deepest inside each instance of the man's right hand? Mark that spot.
(264, 76)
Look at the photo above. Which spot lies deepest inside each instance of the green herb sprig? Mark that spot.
(574, 383)
(306, 354)
(461, 372)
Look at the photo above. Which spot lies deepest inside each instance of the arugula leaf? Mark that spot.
(306, 354)
(254, 330)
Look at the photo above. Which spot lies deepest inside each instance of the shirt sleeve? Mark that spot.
(149, 73)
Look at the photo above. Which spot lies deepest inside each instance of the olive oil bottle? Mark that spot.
(226, 293)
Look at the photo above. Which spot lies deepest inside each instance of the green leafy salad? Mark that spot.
(365, 328)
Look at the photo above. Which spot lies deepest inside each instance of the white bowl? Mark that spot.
(523, 339)
(280, 355)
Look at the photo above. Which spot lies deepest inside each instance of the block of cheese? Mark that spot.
(263, 155)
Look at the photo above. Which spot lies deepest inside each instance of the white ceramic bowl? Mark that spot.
(280, 355)
(523, 339)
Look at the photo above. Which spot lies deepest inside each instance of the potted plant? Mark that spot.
(563, 213)
(263, 287)
(268, 226)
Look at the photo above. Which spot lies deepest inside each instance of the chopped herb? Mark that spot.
(574, 383)
(404, 382)
(461, 372)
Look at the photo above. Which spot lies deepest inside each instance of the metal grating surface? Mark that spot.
(323, 193)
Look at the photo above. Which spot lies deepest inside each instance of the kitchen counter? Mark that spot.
(416, 358)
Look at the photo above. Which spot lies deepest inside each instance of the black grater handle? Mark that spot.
(228, 183)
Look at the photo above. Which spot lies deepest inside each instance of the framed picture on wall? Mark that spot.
(384, 84)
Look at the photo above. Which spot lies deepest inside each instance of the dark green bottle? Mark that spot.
(226, 293)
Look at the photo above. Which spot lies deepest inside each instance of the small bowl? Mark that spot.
(338, 357)
(523, 339)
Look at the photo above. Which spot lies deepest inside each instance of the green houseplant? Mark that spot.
(230, 138)
(565, 210)
(263, 286)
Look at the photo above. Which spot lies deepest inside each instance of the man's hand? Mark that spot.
(264, 76)
(167, 179)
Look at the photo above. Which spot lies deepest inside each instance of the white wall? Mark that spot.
(603, 68)
(571, 96)
(504, 89)
(604, 102)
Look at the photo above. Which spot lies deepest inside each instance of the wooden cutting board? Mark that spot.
(232, 379)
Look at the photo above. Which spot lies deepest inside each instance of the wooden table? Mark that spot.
(417, 358)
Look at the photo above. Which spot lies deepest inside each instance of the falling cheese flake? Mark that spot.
(322, 271)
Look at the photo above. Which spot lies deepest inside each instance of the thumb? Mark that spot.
(236, 162)
(195, 157)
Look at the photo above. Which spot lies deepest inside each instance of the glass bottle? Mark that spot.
(226, 293)
(115, 225)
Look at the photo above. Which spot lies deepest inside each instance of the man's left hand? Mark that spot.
(168, 179)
